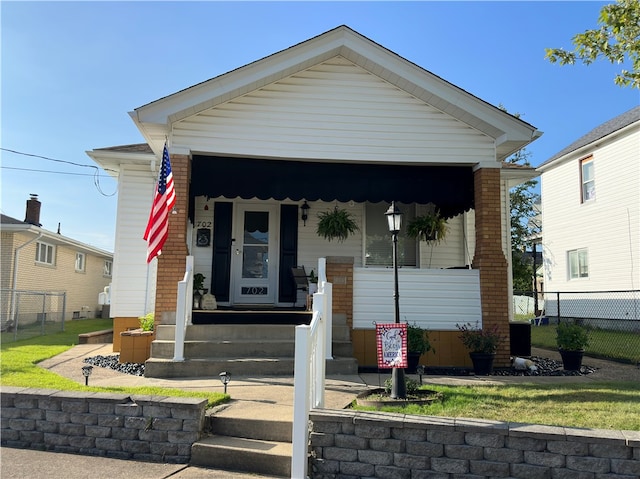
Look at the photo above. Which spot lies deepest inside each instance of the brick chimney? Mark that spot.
(33, 211)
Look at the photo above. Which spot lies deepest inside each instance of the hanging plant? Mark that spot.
(337, 224)
(430, 227)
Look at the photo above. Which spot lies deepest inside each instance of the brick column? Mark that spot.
(340, 275)
(171, 263)
(489, 257)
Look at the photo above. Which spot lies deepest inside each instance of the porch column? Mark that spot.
(490, 258)
(340, 275)
(171, 263)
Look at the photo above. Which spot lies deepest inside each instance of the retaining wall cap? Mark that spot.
(27, 391)
(600, 436)
(192, 403)
(632, 438)
(553, 433)
(482, 426)
(79, 395)
(386, 419)
(118, 398)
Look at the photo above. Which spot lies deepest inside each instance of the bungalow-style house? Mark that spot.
(44, 274)
(591, 224)
(337, 121)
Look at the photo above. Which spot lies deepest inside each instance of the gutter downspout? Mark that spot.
(14, 280)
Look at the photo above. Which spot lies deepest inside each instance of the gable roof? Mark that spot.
(13, 225)
(510, 133)
(606, 129)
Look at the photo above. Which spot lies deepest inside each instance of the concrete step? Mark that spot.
(272, 429)
(243, 454)
(221, 332)
(224, 349)
(202, 368)
(344, 365)
(198, 368)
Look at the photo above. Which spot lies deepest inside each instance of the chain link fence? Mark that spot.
(613, 318)
(25, 314)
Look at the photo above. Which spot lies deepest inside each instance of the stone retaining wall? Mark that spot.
(349, 444)
(148, 428)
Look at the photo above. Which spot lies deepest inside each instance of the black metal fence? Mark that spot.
(613, 317)
(25, 314)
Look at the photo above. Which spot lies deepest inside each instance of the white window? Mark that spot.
(108, 266)
(578, 263)
(588, 180)
(45, 253)
(80, 260)
(379, 245)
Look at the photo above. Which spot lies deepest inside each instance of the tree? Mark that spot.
(524, 225)
(617, 39)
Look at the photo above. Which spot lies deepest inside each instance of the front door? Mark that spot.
(255, 262)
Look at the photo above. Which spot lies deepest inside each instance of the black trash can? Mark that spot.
(520, 333)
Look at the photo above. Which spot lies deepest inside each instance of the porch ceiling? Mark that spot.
(450, 188)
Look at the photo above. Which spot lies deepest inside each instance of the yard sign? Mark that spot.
(392, 345)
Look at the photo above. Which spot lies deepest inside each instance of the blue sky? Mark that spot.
(71, 72)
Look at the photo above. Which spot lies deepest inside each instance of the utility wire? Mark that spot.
(96, 174)
(54, 172)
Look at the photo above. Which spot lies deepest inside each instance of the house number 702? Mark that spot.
(203, 224)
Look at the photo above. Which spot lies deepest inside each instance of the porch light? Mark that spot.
(305, 212)
(394, 217)
(86, 372)
(225, 378)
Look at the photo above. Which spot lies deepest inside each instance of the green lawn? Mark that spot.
(18, 365)
(615, 345)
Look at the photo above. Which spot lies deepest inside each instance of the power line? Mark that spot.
(50, 159)
(96, 171)
(54, 172)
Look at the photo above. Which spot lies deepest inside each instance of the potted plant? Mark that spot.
(337, 224)
(482, 345)
(572, 339)
(417, 344)
(430, 227)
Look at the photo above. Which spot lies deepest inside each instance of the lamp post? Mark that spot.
(394, 218)
(225, 378)
(86, 372)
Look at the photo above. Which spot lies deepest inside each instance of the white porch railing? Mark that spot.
(311, 352)
(183, 309)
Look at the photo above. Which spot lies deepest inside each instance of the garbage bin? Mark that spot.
(520, 335)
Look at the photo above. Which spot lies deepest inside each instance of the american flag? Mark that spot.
(163, 202)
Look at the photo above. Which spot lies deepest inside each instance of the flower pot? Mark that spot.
(482, 363)
(413, 359)
(571, 360)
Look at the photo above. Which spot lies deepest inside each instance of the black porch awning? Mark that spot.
(450, 188)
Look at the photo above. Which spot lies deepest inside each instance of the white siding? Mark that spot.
(608, 227)
(433, 299)
(133, 286)
(456, 250)
(334, 110)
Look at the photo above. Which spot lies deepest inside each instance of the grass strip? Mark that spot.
(602, 405)
(19, 365)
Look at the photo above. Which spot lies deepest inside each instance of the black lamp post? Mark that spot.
(225, 378)
(394, 217)
(86, 372)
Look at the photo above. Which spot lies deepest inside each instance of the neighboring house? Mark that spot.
(37, 260)
(591, 220)
(335, 121)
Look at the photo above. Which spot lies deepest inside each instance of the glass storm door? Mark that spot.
(255, 268)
